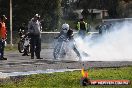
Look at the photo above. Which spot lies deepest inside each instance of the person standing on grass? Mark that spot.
(34, 32)
(3, 36)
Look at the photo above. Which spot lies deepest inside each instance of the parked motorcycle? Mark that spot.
(24, 42)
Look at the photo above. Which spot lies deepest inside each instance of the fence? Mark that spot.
(47, 38)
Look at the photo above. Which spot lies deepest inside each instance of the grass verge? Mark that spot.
(11, 48)
(71, 79)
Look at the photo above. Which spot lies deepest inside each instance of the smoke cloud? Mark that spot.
(115, 45)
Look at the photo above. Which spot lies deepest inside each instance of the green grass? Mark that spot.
(71, 79)
(11, 48)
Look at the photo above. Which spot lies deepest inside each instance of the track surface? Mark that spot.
(18, 63)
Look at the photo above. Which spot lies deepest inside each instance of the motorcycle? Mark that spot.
(24, 42)
(63, 48)
(60, 49)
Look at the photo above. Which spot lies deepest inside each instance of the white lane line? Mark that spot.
(7, 75)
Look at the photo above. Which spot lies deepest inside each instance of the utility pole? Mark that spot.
(11, 23)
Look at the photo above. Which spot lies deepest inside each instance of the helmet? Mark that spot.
(37, 15)
(65, 26)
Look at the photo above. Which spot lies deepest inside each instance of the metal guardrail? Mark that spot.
(48, 40)
(59, 32)
(114, 20)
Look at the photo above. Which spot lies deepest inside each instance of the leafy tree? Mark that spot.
(24, 10)
(125, 8)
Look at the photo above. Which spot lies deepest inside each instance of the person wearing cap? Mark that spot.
(82, 27)
(3, 34)
(34, 32)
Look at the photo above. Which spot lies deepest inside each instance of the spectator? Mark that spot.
(34, 29)
(82, 26)
(3, 35)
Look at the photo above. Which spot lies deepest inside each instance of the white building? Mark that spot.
(99, 14)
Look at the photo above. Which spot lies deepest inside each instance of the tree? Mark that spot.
(124, 8)
(24, 10)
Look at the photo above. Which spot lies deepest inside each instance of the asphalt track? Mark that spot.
(18, 63)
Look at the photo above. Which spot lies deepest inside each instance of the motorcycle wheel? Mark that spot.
(56, 52)
(59, 51)
(21, 46)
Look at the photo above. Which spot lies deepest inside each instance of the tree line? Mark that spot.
(24, 10)
(51, 10)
